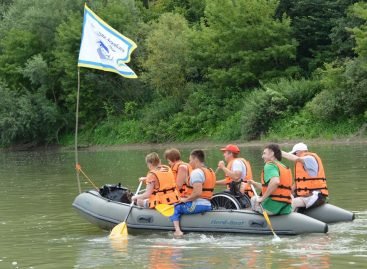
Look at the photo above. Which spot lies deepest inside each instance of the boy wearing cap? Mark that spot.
(236, 171)
(309, 186)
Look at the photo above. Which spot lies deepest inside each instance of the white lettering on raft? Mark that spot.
(227, 222)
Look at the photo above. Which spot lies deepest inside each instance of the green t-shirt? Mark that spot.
(276, 207)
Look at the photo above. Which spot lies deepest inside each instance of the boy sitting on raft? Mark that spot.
(199, 190)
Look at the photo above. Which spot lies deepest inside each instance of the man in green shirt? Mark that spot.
(276, 184)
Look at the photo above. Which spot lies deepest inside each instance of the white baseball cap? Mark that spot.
(299, 146)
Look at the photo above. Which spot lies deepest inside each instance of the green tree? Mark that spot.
(102, 93)
(168, 45)
(274, 101)
(344, 84)
(240, 43)
(27, 29)
(359, 10)
(312, 22)
(192, 10)
(26, 117)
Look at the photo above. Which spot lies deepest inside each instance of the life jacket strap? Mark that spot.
(183, 188)
(281, 196)
(284, 187)
(311, 189)
(310, 179)
(165, 190)
(204, 189)
(208, 189)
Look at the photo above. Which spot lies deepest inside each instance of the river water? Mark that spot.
(39, 228)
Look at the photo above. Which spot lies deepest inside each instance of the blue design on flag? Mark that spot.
(103, 51)
(103, 48)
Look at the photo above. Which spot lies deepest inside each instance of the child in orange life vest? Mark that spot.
(200, 187)
(180, 169)
(161, 185)
(310, 188)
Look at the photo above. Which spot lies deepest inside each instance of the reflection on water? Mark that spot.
(342, 247)
(39, 229)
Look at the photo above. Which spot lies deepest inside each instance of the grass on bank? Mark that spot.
(298, 126)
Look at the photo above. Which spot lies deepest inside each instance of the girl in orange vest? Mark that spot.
(180, 169)
(161, 185)
(310, 188)
(200, 187)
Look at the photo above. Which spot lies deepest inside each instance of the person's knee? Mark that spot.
(175, 217)
(142, 203)
(253, 201)
(202, 209)
(298, 202)
(269, 213)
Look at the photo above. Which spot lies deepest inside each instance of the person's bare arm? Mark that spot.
(292, 157)
(148, 192)
(272, 186)
(234, 175)
(196, 192)
(181, 176)
(257, 185)
(221, 182)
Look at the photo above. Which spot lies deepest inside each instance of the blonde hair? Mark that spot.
(152, 158)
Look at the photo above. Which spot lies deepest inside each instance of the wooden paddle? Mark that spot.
(120, 230)
(266, 215)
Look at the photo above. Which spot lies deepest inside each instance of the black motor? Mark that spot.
(117, 193)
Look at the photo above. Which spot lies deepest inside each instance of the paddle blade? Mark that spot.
(119, 231)
(165, 210)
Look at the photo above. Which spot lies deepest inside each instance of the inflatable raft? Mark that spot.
(106, 213)
(330, 214)
(326, 213)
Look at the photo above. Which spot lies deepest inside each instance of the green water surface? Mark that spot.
(40, 229)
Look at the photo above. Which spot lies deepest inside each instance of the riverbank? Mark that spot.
(211, 144)
(358, 138)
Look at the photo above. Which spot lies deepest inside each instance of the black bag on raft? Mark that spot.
(116, 193)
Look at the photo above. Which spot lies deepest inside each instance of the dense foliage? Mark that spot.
(218, 69)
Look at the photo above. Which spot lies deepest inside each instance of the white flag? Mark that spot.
(103, 48)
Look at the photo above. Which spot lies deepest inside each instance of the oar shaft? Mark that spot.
(264, 213)
(257, 196)
(132, 203)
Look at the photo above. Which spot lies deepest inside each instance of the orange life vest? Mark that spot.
(306, 184)
(208, 185)
(284, 190)
(248, 176)
(174, 168)
(167, 192)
